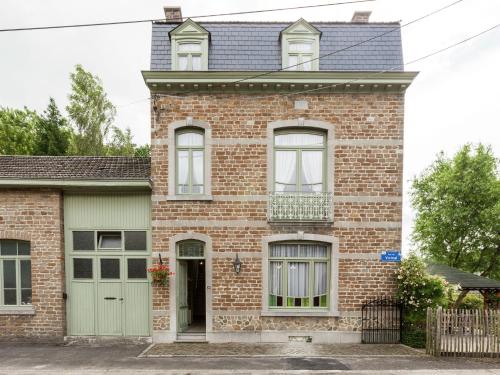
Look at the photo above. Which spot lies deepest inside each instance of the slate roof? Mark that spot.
(466, 280)
(75, 167)
(256, 46)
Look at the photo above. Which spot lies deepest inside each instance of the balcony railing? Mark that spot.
(289, 206)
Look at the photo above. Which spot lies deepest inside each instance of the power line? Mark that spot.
(402, 65)
(374, 74)
(353, 45)
(348, 47)
(201, 16)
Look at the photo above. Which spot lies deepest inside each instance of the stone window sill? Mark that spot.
(311, 313)
(191, 197)
(17, 310)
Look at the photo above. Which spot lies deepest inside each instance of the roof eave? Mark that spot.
(140, 184)
(283, 81)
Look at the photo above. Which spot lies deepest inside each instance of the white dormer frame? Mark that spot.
(189, 32)
(300, 32)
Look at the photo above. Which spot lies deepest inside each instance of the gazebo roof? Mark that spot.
(466, 280)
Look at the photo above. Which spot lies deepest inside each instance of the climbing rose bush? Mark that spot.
(417, 290)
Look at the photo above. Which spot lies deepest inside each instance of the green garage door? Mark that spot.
(109, 296)
(107, 284)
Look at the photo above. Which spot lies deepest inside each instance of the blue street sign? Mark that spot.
(390, 256)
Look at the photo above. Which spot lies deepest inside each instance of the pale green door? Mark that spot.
(182, 295)
(109, 296)
(136, 288)
(82, 296)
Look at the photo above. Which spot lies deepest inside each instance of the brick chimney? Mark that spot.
(173, 14)
(361, 16)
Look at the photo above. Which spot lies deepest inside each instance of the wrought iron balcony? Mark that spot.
(290, 206)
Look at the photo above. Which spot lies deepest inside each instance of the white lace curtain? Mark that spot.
(299, 271)
(312, 171)
(286, 170)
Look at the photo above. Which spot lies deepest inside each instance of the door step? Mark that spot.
(191, 337)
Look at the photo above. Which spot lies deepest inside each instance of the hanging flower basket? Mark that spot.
(160, 274)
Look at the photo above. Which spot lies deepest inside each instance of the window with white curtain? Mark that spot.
(299, 161)
(298, 275)
(189, 56)
(190, 155)
(300, 54)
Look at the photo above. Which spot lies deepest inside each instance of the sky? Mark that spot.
(453, 100)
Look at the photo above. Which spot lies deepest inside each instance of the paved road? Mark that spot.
(23, 359)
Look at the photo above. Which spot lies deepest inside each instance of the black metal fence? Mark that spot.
(381, 321)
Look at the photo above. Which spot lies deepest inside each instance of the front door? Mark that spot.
(182, 295)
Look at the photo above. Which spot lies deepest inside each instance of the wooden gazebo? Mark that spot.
(468, 281)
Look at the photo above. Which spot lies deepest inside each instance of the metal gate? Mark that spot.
(381, 321)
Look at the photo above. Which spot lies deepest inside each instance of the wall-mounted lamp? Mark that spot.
(237, 264)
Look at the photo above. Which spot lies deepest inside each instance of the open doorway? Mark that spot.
(191, 287)
(196, 296)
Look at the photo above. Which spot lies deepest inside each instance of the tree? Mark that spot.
(121, 143)
(457, 203)
(53, 135)
(144, 151)
(17, 131)
(90, 112)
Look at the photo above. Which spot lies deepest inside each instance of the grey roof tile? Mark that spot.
(231, 43)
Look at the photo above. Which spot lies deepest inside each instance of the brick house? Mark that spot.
(271, 196)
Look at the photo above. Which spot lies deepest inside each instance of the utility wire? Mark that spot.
(350, 46)
(201, 16)
(374, 74)
(402, 65)
(353, 45)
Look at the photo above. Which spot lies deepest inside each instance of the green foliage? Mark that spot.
(417, 290)
(17, 131)
(144, 151)
(121, 143)
(24, 132)
(457, 203)
(413, 334)
(53, 135)
(90, 112)
(472, 302)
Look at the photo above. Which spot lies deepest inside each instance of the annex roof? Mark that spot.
(74, 168)
(466, 280)
(254, 46)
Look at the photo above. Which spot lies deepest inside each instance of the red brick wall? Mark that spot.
(372, 168)
(35, 215)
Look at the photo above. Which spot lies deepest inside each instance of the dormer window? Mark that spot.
(189, 44)
(300, 47)
(189, 56)
(300, 55)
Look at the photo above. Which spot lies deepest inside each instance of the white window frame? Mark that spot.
(189, 32)
(300, 32)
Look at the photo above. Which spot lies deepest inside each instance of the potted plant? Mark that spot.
(159, 274)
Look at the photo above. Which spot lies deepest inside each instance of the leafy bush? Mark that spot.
(417, 290)
(471, 302)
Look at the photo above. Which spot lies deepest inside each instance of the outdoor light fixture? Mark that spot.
(237, 264)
